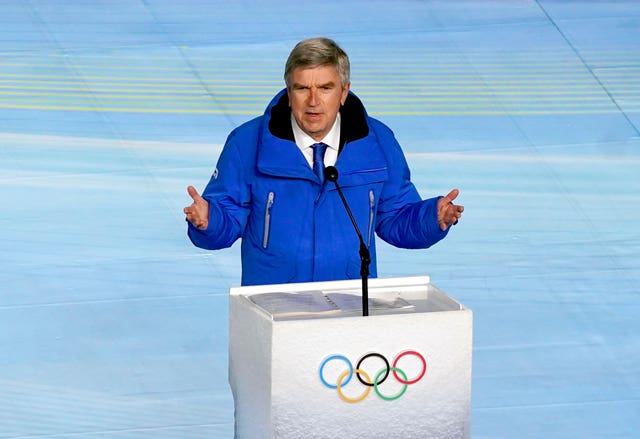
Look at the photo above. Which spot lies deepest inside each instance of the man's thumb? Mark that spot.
(452, 195)
(193, 193)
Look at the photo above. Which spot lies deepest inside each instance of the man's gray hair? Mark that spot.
(315, 52)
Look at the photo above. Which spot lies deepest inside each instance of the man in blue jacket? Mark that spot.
(293, 225)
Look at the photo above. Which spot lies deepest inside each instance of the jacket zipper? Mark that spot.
(372, 202)
(267, 219)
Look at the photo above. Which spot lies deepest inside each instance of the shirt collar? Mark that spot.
(303, 140)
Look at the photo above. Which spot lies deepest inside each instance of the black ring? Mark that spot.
(373, 354)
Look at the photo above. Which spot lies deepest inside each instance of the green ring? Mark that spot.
(390, 398)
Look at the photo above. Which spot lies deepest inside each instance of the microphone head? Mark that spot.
(331, 173)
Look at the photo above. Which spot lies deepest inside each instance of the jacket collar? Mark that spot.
(353, 114)
(278, 153)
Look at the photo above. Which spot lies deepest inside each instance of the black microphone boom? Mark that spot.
(331, 174)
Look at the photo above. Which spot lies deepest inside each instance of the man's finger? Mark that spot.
(193, 193)
(452, 195)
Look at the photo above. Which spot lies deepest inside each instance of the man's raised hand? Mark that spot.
(449, 213)
(198, 212)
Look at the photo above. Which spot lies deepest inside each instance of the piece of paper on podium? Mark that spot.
(316, 303)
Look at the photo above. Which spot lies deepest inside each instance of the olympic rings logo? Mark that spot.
(379, 377)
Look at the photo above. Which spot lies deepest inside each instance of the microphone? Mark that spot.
(331, 174)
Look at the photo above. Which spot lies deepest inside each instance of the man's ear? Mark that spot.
(345, 93)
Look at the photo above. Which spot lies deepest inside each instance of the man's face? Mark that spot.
(315, 96)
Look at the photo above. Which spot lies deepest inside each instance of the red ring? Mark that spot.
(424, 366)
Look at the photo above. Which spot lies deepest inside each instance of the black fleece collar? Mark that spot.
(353, 124)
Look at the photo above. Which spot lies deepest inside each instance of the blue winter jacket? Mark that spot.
(292, 228)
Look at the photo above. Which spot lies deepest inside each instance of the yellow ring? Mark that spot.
(361, 397)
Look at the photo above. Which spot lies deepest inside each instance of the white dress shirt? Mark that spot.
(304, 142)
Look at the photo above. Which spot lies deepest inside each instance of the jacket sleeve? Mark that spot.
(403, 218)
(228, 195)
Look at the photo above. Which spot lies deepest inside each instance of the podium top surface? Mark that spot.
(403, 295)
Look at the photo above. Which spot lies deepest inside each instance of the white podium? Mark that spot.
(300, 369)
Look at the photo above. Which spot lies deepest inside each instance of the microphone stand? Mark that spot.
(331, 174)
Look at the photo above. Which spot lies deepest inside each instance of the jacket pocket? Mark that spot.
(363, 177)
(267, 219)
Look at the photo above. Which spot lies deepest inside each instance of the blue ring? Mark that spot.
(336, 357)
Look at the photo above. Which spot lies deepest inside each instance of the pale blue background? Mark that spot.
(113, 326)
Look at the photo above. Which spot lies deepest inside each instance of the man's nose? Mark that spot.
(313, 96)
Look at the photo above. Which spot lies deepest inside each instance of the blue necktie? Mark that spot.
(318, 160)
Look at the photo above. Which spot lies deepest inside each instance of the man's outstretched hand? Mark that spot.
(198, 212)
(449, 213)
